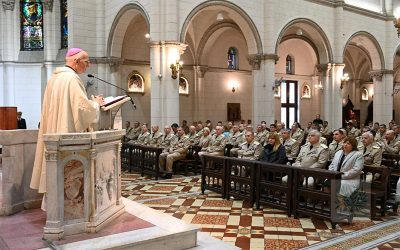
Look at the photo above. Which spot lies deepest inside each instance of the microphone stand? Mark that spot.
(109, 83)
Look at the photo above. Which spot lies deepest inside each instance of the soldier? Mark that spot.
(155, 137)
(325, 130)
(205, 139)
(389, 143)
(217, 144)
(144, 136)
(229, 126)
(372, 152)
(352, 131)
(185, 127)
(250, 149)
(396, 130)
(260, 135)
(192, 135)
(134, 133)
(292, 146)
(167, 138)
(297, 133)
(176, 151)
(380, 133)
(313, 154)
(235, 140)
(337, 143)
(128, 129)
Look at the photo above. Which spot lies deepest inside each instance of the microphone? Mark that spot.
(109, 83)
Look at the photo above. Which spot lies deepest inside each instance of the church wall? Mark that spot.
(27, 91)
(218, 93)
(186, 102)
(142, 101)
(373, 5)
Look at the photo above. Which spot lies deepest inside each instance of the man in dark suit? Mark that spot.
(21, 121)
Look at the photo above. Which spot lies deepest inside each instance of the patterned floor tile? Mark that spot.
(235, 221)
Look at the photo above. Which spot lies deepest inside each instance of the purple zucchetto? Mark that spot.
(73, 51)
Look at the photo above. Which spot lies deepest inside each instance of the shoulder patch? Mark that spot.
(324, 146)
(256, 143)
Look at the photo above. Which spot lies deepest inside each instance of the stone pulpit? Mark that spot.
(83, 177)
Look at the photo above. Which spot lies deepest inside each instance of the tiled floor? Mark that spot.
(234, 221)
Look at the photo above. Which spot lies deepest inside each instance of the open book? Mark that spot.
(111, 102)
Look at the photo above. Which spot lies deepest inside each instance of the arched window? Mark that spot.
(233, 58)
(64, 24)
(289, 65)
(31, 25)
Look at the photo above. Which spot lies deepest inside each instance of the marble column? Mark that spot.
(263, 86)
(198, 91)
(9, 43)
(332, 95)
(383, 95)
(164, 89)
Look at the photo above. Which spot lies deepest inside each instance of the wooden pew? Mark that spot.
(377, 188)
(240, 179)
(125, 155)
(317, 199)
(270, 190)
(213, 175)
(151, 161)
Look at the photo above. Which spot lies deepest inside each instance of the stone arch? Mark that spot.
(369, 45)
(120, 24)
(315, 36)
(212, 30)
(243, 21)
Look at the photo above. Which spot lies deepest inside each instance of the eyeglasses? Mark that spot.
(86, 61)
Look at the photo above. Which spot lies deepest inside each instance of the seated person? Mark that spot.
(167, 138)
(205, 139)
(144, 136)
(336, 144)
(217, 144)
(312, 154)
(350, 163)
(235, 140)
(389, 143)
(274, 151)
(155, 137)
(372, 152)
(292, 146)
(176, 151)
(134, 133)
(251, 149)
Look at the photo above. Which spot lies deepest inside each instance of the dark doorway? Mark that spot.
(234, 113)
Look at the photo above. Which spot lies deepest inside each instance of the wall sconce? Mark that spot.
(397, 25)
(345, 78)
(175, 68)
(234, 85)
(319, 86)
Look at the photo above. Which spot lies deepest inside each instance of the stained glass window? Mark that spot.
(232, 58)
(31, 25)
(64, 24)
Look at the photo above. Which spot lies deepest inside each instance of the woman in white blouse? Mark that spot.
(350, 162)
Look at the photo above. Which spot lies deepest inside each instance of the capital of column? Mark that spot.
(179, 45)
(48, 4)
(255, 59)
(8, 4)
(113, 62)
(200, 70)
(378, 74)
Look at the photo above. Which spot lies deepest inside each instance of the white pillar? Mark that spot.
(164, 89)
(198, 92)
(383, 95)
(263, 84)
(332, 95)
